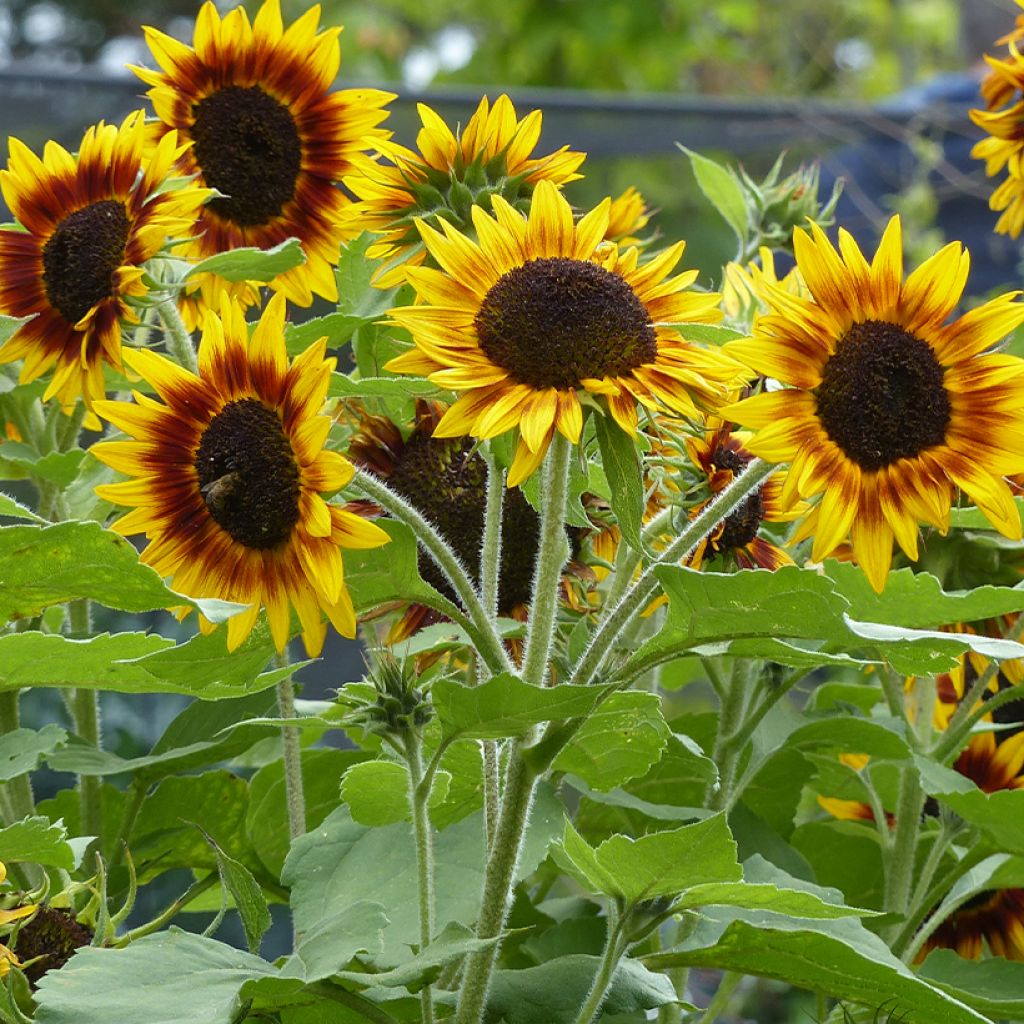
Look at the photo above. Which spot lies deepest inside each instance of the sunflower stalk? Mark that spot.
(85, 709)
(490, 571)
(614, 949)
(899, 864)
(729, 742)
(491, 648)
(552, 552)
(633, 601)
(419, 805)
(179, 341)
(291, 753)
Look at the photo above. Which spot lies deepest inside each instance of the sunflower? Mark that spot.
(88, 224)
(447, 481)
(721, 454)
(629, 214)
(540, 308)
(742, 284)
(228, 473)
(890, 407)
(269, 135)
(447, 177)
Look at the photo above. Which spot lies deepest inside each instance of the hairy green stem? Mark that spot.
(419, 805)
(602, 643)
(552, 552)
(178, 340)
(85, 709)
(899, 869)
(170, 912)
(499, 876)
(292, 754)
(728, 748)
(18, 791)
(490, 552)
(491, 758)
(614, 948)
(722, 998)
(491, 649)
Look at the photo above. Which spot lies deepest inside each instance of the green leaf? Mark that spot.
(506, 706)
(266, 821)
(554, 992)
(356, 294)
(974, 519)
(375, 576)
(38, 841)
(342, 862)
(377, 792)
(708, 334)
(246, 895)
(917, 600)
(620, 740)
(721, 190)
(621, 463)
(337, 328)
(330, 944)
(169, 978)
(165, 836)
(657, 864)
(790, 902)
(251, 264)
(994, 986)
(41, 566)
(11, 507)
(999, 815)
(21, 749)
(343, 386)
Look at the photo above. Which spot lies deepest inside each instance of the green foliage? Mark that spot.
(252, 264)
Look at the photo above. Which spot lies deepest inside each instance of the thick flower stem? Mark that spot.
(498, 879)
(491, 648)
(899, 869)
(85, 709)
(614, 948)
(728, 743)
(419, 797)
(18, 791)
(179, 341)
(292, 753)
(552, 552)
(636, 597)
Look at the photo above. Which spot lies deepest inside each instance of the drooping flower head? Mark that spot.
(889, 406)
(90, 223)
(446, 480)
(542, 308)
(451, 173)
(268, 134)
(721, 455)
(228, 473)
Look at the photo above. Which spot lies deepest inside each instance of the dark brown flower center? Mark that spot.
(53, 935)
(81, 256)
(449, 486)
(742, 525)
(554, 321)
(881, 396)
(248, 475)
(248, 147)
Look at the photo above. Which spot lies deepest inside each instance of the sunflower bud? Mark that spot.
(777, 207)
(400, 706)
(645, 916)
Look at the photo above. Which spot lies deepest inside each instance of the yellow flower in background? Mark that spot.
(888, 408)
(543, 308)
(629, 214)
(269, 135)
(91, 221)
(450, 172)
(228, 474)
(743, 284)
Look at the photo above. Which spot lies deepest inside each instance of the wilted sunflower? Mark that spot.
(540, 308)
(450, 173)
(90, 222)
(721, 454)
(268, 134)
(229, 473)
(889, 408)
(446, 480)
